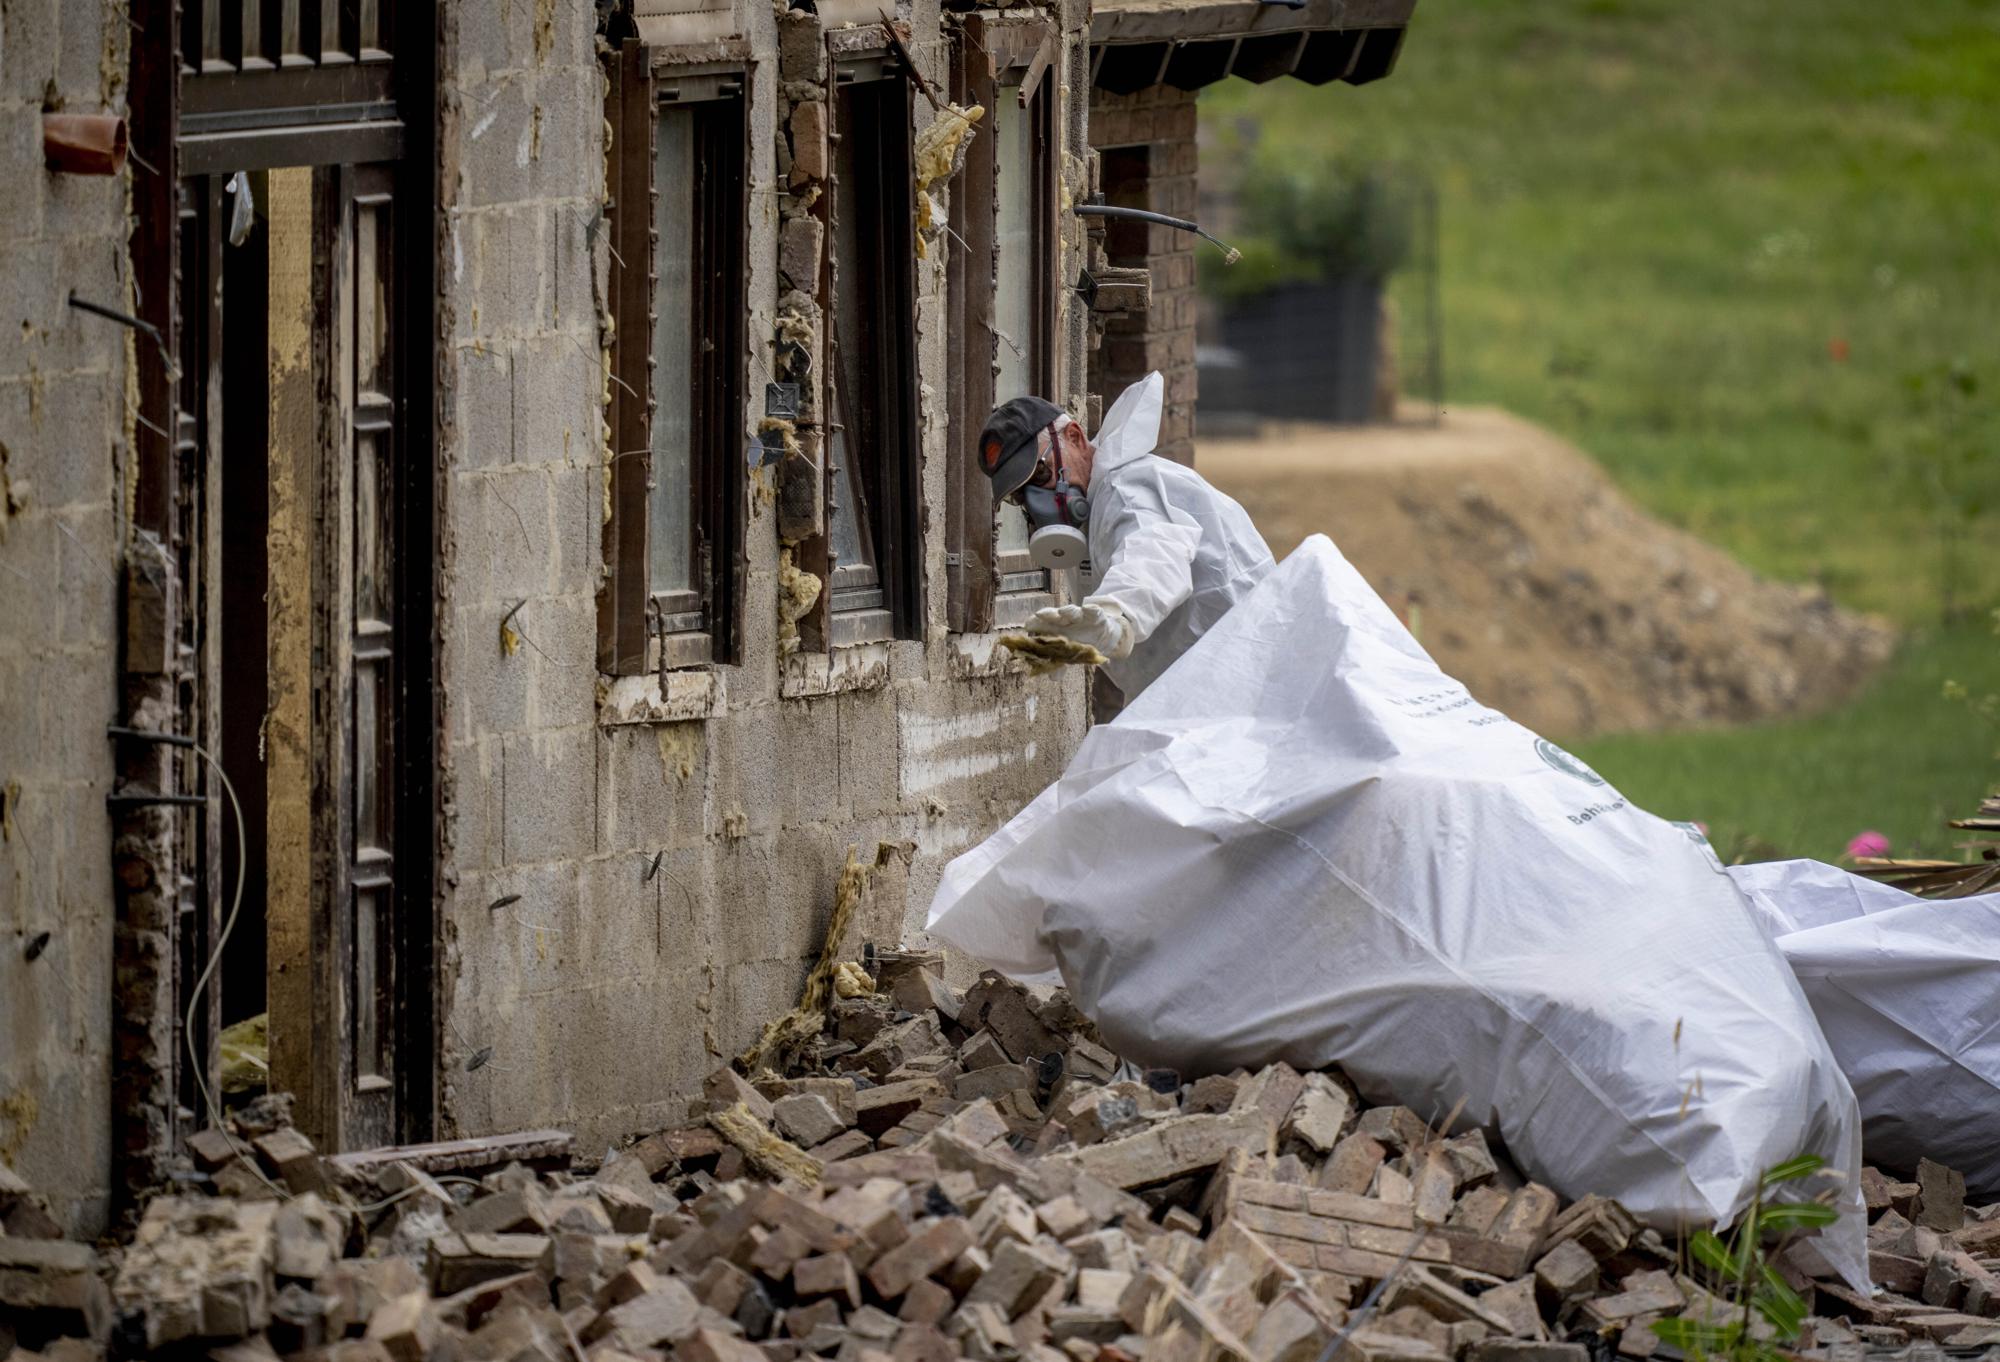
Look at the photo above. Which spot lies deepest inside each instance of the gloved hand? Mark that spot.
(1098, 623)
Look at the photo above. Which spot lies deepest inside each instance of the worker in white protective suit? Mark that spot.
(1168, 554)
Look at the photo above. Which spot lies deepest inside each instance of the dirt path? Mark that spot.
(1529, 576)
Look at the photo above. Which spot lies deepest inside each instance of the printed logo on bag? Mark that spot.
(1564, 762)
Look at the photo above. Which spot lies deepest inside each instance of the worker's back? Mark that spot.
(1232, 557)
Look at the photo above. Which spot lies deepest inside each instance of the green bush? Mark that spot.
(1314, 221)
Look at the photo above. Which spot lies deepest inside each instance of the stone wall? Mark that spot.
(63, 479)
(1159, 123)
(673, 845)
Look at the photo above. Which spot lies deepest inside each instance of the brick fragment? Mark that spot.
(982, 1051)
(1874, 1189)
(1564, 1274)
(1002, 1007)
(845, 1145)
(713, 1345)
(1063, 1217)
(927, 1302)
(1524, 1221)
(921, 991)
(725, 1088)
(1320, 1115)
(1171, 1148)
(1018, 1276)
(1472, 1158)
(1271, 1093)
(213, 1149)
(1293, 1328)
(1598, 1223)
(51, 1287)
(1433, 1186)
(926, 1251)
(992, 1081)
(1526, 1350)
(899, 1043)
(291, 1158)
(878, 1109)
(406, 1327)
(1215, 1093)
(1478, 1209)
(519, 1212)
(806, 1119)
(830, 1274)
(1941, 1196)
(1515, 1303)
(666, 1314)
(1398, 1128)
(1905, 1276)
(1353, 1163)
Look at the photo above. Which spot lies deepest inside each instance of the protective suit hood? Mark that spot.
(1131, 428)
(1170, 551)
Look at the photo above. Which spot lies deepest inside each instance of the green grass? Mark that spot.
(1660, 222)
(1900, 761)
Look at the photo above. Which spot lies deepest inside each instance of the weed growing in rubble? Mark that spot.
(1742, 1266)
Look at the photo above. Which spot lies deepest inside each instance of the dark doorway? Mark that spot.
(244, 569)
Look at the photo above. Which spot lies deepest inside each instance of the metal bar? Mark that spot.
(116, 801)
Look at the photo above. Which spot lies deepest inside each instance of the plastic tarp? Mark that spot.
(1305, 842)
(1908, 992)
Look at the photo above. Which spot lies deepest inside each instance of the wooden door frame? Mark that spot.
(148, 1126)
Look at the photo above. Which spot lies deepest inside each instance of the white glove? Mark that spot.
(1098, 623)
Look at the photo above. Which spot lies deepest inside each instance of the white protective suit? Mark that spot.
(1174, 553)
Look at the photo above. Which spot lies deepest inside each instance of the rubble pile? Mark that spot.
(938, 1176)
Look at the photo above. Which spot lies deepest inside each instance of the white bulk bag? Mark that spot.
(1305, 842)
(1908, 992)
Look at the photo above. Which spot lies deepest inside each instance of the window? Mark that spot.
(674, 542)
(1004, 276)
(874, 489)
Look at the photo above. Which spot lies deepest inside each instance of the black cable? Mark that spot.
(1230, 255)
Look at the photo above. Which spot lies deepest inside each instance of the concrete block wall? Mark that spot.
(64, 446)
(674, 874)
(1162, 120)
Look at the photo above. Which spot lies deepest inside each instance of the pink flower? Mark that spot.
(1870, 843)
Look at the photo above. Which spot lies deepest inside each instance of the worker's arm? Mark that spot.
(1152, 559)
(1151, 571)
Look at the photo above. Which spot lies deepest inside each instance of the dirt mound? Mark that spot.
(1531, 578)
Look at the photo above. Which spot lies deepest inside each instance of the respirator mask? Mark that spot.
(1056, 515)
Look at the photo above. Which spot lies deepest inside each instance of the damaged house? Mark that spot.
(482, 529)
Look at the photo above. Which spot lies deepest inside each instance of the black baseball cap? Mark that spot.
(1007, 445)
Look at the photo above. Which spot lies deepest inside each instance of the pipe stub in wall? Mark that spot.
(84, 144)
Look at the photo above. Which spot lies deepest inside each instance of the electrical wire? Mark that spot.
(1230, 255)
(208, 970)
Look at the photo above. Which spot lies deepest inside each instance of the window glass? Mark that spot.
(852, 546)
(673, 383)
(1014, 284)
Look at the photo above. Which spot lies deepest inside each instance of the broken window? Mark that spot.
(1003, 291)
(874, 492)
(674, 541)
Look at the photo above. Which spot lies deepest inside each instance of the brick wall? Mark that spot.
(637, 875)
(63, 466)
(1147, 144)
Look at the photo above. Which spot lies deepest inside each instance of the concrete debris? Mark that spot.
(933, 1175)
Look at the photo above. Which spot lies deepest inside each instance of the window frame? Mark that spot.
(882, 598)
(641, 629)
(996, 58)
